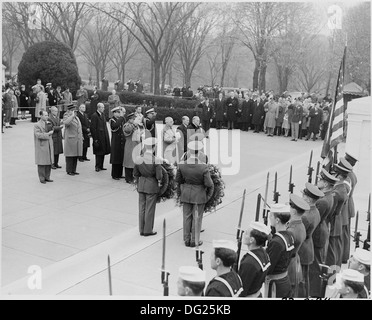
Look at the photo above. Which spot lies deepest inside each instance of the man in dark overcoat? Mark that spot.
(85, 125)
(232, 105)
(117, 142)
(220, 110)
(57, 135)
(100, 136)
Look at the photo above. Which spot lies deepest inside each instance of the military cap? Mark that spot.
(192, 274)
(116, 109)
(195, 145)
(69, 106)
(325, 175)
(150, 110)
(363, 256)
(279, 208)
(298, 203)
(343, 166)
(312, 191)
(350, 158)
(150, 141)
(225, 244)
(131, 115)
(259, 226)
(48, 84)
(352, 275)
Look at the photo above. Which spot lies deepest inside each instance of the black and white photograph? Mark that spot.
(202, 152)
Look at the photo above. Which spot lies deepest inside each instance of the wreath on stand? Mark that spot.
(214, 194)
(167, 189)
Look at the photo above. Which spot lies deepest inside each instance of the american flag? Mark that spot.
(335, 130)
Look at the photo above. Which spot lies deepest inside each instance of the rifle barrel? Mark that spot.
(258, 207)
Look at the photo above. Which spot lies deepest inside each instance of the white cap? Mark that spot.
(280, 208)
(363, 256)
(352, 275)
(259, 226)
(226, 244)
(192, 274)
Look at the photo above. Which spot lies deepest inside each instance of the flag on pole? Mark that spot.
(335, 130)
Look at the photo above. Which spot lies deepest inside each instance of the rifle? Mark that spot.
(164, 273)
(356, 232)
(291, 184)
(325, 274)
(198, 251)
(265, 212)
(276, 193)
(310, 169)
(239, 233)
(317, 172)
(258, 207)
(367, 242)
(109, 274)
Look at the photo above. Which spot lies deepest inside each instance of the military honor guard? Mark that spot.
(310, 219)
(349, 285)
(43, 147)
(297, 207)
(85, 125)
(57, 135)
(117, 142)
(334, 252)
(191, 281)
(73, 137)
(227, 283)
(149, 123)
(280, 250)
(148, 175)
(255, 263)
(100, 136)
(361, 261)
(324, 205)
(193, 179)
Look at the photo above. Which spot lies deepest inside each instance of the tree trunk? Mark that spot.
(262, 78)
(97, 79)
(152, 77)
(170, 77)
(123, 73)
(223, 76)
(255, 75)
(157, 68)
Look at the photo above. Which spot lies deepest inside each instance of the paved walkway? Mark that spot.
(70, 226)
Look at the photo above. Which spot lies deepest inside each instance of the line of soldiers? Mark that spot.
(301, 254)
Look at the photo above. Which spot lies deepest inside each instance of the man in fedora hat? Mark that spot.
(193, 178)
(148, 175)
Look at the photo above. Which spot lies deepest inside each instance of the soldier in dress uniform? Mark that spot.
(280, 250)
(117, 142)
(193, 179)
(227, 283)
(149, 123)
(349, 284)
(297, 207)
(191, 281)
(254, 264)
(334, 252)
(324, 205)
(349, 210)
(310, 219)
(148, 174)
(361, 261)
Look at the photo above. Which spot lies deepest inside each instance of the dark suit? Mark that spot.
(220, 110)
(117, 146)
(147, 172)
(101, 140)
(232, 107)
(85, 124)
(206, 116)
(192, 180)
(182, 143)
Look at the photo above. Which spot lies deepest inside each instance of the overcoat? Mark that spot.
(44, 154)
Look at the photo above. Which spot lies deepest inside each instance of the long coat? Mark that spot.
(73, 135)
(316, 117)
(57, 134)
(258, 112)
(44, 154)
(270, 120)
(220, 109)
(245, 115)
(52, 99)
(206, 115)
(99, 131)
(280, 115)
(94, 100)
(85, 125)
(24, 101)
(14, 106)
(117, 140)
(41, 103)
(130, 145)
(232, 105)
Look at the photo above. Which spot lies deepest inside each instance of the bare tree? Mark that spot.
(192, 43)
(258, 23)
(11, 43)
(125, 48)
(226, 42)
(214, 65)
(157, 26)
(99, 42)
